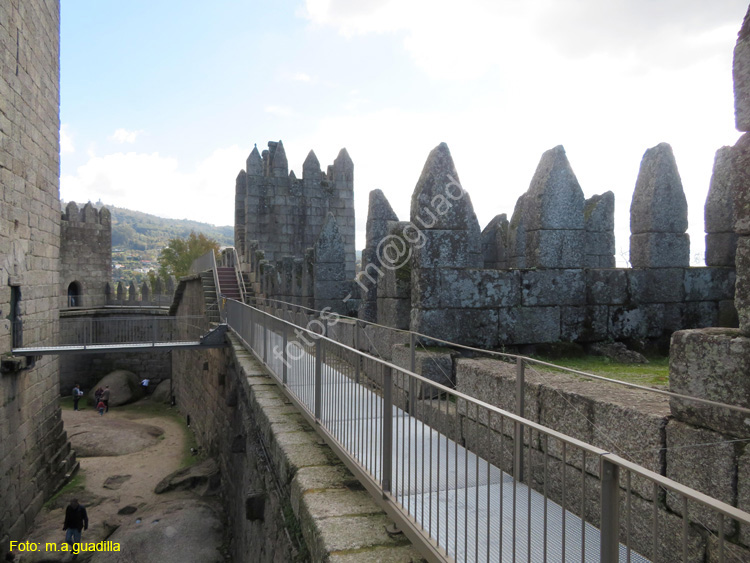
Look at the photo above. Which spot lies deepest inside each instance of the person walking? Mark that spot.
(76, 520)
(77, 394)
(105, 398)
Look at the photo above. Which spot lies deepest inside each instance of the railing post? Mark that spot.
(387, 452)
(413, 369)
(252, 330)
(265, 338)
(357, 357)
(318, 378)
(154, 329)
(610, 523)
(283, 354)
(517, 426)
(325, 333)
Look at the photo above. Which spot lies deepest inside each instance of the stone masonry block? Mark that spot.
(656, 285)
(434, 364)
(743, 492)
(709, 284)
(600, 244)
(711, 364)
(583, 324)
(742, 287)
(494, 382)
(478, 289)
(471, 327)
(606, 287)
(644, 321)
(528, 325)
(426, 292)
(447, 249)
(660, 250)
(702, 460)
(721, 249)
(553, 287)
(555, 249)
(394, 312)
(741, 77)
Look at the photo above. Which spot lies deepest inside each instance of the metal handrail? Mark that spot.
(265, 327)
(527, 359)
(238, 273)
(208, 262)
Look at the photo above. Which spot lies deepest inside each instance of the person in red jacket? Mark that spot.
(76, 520)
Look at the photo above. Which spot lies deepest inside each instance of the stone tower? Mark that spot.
(85, 256)
(35, 454)
(282, 215)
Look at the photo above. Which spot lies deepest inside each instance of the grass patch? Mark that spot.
(75, 487)
(653, 374)
(146, 409)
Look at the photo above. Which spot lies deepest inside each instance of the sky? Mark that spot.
(161, 102)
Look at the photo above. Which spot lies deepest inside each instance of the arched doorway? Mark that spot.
(75, 295)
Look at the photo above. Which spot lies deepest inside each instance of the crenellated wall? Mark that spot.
(282, 215)
(548, 274)
(85, 256)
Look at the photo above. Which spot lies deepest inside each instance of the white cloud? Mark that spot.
(124, 136)
(301, 77)
(160, 185)
(279, 111)
(66, 140)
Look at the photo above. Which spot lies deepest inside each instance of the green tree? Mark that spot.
(175, 259)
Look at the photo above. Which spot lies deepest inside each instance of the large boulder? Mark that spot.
(163, 392)
(173, 531)
(124, 387)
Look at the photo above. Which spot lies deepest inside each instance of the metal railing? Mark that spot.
(115, 330)
(208, 262)
(536, 495)
(234, 262)
(417, 339)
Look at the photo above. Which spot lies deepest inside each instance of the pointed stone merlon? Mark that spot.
(379, 214)
(740, 180)
(658, 213)
(741, 76)
(495, 243)
(599, 222)
(343, 171)
(278, 161)
(311, 168)
(553, 212)
(329, 269)
(721, 240)
(254, 163)
(443, 218)
(517, 235)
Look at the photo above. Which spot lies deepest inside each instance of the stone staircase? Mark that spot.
(228, 286)
(209, 297)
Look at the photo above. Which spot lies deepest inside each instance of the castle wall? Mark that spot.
(34, 451)
(85, 255)
(278, 481)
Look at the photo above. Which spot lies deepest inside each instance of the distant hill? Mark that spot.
(135, 230)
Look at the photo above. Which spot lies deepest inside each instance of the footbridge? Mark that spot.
(116, 334)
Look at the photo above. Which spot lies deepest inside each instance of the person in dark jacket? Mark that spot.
(76, 520)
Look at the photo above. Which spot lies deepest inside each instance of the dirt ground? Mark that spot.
(123, 455)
